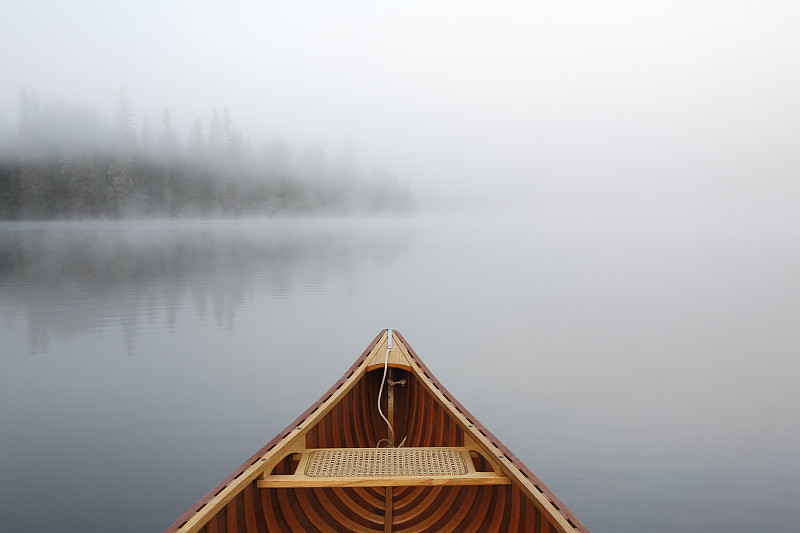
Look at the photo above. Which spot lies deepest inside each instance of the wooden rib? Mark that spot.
(547, 527)
(211, 527)
(249, 508)
(270, 516)
(371, 496)
(428, 433)
(404, 496)
(345, 523)
(422, 502)
(470, 494)
(479, 516)
(311, 513)
(365, 513)
(401, 404)
(515, 508)
(390, 408)
(359, 502)
(323, 429)
(337, 431)
(435, 511)
(230, 517)
(530, 517)
(259, 509)
(288, 513)
(499, 508)
(345, 422)
(369, 411)
(408, 420)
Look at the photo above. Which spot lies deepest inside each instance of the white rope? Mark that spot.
(390, 440)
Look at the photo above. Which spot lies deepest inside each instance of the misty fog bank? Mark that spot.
(624, 106)
(62, 161)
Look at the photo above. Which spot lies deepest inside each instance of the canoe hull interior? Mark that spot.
(500, 508)
(422, 415)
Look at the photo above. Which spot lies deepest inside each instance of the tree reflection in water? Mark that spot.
(70, 279)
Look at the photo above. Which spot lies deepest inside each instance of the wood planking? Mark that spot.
(354, 422)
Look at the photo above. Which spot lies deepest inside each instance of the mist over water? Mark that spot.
(636, 370)
(597, 254)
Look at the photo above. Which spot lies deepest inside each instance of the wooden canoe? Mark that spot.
(336, 468)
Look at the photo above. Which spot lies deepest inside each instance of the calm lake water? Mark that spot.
(646, 370)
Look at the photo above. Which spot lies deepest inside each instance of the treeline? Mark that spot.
(63, 161)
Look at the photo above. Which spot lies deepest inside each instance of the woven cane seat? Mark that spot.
(385, 462)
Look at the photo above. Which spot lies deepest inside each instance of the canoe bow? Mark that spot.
(324, 472)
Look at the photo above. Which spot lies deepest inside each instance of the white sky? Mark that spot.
(523, 100)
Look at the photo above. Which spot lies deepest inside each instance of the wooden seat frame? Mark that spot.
(301, 479)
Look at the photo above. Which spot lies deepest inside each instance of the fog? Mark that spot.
(601, 105)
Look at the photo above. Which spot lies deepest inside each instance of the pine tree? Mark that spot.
(147, 139)
(216, 148)
(197, 143)
(168, 144)
(169, 150)
(121, 172)
(124, 128)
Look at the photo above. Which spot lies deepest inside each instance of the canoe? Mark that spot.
(386, 449)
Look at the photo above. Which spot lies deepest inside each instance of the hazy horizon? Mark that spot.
(612, 103)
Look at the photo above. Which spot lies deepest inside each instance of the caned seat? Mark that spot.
(386, 462)
(383, 467)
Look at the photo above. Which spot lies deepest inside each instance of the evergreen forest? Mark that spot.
(62, 161)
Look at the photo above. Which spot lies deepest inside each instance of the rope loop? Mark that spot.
(390, 440)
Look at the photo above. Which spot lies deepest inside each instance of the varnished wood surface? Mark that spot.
(423, 412)
(396, 358)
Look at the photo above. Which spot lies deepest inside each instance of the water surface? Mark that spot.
(646, 372)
